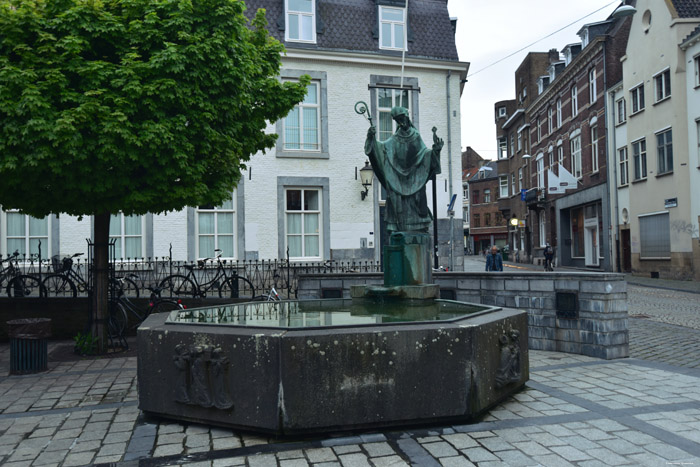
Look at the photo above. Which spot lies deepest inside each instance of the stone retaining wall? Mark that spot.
(580, 313)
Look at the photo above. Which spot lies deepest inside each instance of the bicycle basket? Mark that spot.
(56, 264)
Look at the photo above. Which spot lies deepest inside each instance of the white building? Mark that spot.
(304, 196)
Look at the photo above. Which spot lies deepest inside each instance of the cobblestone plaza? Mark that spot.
(575, 410)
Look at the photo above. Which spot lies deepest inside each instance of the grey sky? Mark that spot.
(489, 30)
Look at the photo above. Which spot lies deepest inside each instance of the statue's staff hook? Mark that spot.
(362, 109)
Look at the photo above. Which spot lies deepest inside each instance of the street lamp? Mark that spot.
(514, 222)
(366, 174)
(622, 11)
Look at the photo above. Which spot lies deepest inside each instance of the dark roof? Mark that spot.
(488, 174)
(351, 25)
(687, 8)
(693, 34)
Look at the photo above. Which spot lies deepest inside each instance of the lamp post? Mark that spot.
(366, 175)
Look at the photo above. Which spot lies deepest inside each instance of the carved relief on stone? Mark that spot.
(510, 369)
(202, 376)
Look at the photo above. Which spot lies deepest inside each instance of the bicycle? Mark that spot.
(123, 310)
(272, 296)
(227, 285)
(19, 285)
(65, 282)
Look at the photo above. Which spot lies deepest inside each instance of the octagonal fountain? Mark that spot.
(330, 365)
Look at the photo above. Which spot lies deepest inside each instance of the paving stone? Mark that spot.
(226, 443)
(388, 461)
(378, 449)
(293, 463)
(228, 462)
(294, 454)
(346, 449)
(82, 458)
(320, 455)
(457, 461)
(440, 449)
(262, 460)
(461, 440)
(168, 450)
(478, 455)
(354, 460)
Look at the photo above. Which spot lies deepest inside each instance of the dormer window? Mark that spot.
(542, 84)
(392, 28)
(584, 38)
(301, 20)
(501, 112)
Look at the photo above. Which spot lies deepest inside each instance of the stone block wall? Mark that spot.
(590, 317)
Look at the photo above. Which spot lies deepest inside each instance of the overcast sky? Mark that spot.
(488, 31)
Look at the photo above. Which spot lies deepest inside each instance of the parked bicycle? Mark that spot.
(228, 284)
(271, 296)
(66, 282)
(19, 285)
(126, 316)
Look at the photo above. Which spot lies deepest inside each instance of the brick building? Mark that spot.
(487, 226)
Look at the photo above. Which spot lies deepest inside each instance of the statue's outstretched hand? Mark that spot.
(438, 143)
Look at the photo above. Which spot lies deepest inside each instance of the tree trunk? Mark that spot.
(100, 271)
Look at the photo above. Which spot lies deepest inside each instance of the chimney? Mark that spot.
(553, 56)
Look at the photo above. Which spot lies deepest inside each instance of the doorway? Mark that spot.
(591, 242)
(626, 250)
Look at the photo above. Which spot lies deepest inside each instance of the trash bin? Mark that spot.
(28, 345)
(504, 254)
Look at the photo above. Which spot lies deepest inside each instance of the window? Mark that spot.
(621, 110)
(540, 171)
(551, 157)
(559, 117)
(560, 154)
(215, 230)
(514, 188)
(127, 234)
(501, 111)
(303, 223)
(503, 186)
(512, 144)
(592, 88)
(639, 159)
(24, 234)
(575, 144)
(539, 130)
(465, 214)
(392, 28)
(487, 220)
(624, 166)
(388, 98)
(520, 179)
(637, 98)
(577, 233)
(543, 229)
(574, 101)
(664, 147)
(502, 148)
(520, 141)
(655, 236)
(475, 197)
(301, 21)
(465, 193)
(487, 196)
(594, 148)
(476, 221)
(662, 85)
(301, 130)
(304, 131)
(696, 61)
(550, 120)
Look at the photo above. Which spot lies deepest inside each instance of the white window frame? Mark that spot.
(542, 221)
(664, 152)
(550, 152)
(637, 99)
(520, 179)
(559, 117)
(122, 236)
(539, 130)
(539, 160)
(621, 107)
(501, 111)
(662, 85)
(696, 63)
(397, 100)
(575, 147)
(216, 210)
(514, 189)
(592, 86)
(298, 16)
(574, 100)
(503, 187)
(487, 195)
(623, 159)
(503, 148)
(520, 141)
(560, 153)
(594, 148)
(27, 237)
(301, 107)
(639, 159)
(303, 212)
(550, 120)
(393, 24)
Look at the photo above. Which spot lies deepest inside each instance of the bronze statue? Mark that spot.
(403, 165)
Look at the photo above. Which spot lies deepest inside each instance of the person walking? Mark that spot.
(548, 257)
(494, 262)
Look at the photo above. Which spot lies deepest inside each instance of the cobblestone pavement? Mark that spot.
(575, 410)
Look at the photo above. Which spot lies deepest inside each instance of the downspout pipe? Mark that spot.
(451, 241)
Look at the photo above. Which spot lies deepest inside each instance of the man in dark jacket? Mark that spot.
(548, 257)
(494, 262)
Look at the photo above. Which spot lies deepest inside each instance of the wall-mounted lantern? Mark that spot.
(366, 175)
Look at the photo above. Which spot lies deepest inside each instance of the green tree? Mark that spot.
(132, 105)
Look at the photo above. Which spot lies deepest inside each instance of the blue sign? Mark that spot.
(522, 194)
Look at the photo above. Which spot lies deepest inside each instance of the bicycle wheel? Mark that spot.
(25, 286)
(58, 285)
(237, 287)
(117, 321)
(179, 286)
(125, 286)
(165, 306)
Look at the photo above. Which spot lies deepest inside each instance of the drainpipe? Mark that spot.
(449, 167)
(612, 237)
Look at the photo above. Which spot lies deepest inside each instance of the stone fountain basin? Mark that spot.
(292, 380)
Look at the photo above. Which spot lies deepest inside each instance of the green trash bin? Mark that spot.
(504, 254)
(28, 345)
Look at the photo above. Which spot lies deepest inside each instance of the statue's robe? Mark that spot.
(403, 165)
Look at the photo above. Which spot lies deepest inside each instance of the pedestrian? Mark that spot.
(548, 257)
(494, 262)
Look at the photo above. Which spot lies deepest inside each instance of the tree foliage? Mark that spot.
(133, 105)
